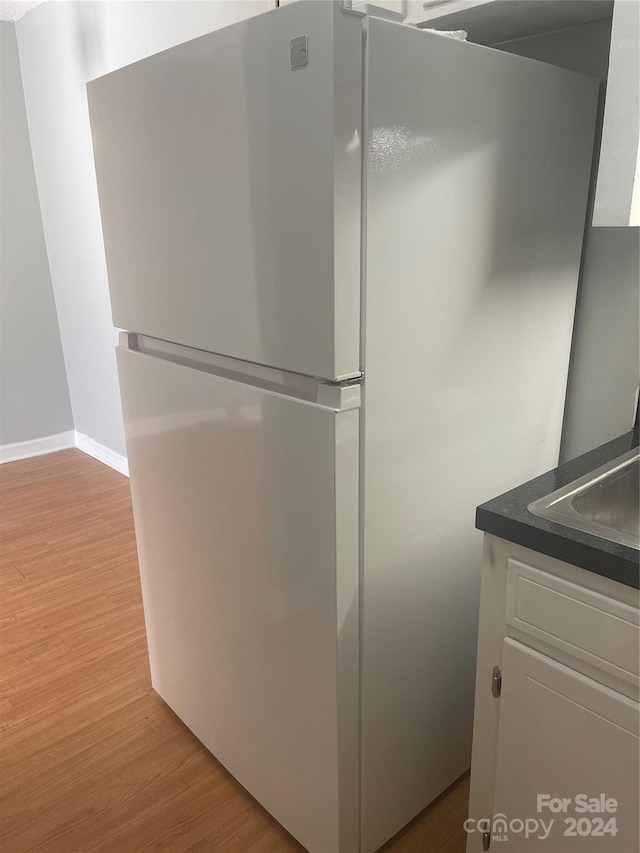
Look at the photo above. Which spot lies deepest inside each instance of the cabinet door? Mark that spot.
(565, 736)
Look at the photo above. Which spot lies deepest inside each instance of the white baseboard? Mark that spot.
(62, 441)
(37, 446)
(102, 453)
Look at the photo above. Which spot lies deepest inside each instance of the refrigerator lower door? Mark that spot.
(246, 514)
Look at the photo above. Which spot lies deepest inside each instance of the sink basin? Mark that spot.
(603, 503)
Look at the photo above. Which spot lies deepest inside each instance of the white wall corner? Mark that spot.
(101, 453)
(63, 441)
(37, 446)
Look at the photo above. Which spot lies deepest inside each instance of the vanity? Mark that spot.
(556, 746)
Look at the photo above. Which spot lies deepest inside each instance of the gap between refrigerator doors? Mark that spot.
(337, 396)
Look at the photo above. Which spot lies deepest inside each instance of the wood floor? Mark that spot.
(92, 759)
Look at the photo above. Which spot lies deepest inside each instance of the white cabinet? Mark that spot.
(494, 21)
(617, 199)
(556, 726)
(564, 737)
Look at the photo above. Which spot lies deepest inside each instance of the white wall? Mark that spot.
(604, 369)
(63, 45)
(34, 398)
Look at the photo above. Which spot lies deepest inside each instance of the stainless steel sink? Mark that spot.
(603, 503)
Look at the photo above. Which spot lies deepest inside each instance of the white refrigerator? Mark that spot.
(344, 253)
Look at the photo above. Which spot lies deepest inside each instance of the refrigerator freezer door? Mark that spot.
(246, 513)
(229, 183)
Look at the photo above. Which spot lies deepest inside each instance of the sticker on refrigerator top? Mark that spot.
(299, 55)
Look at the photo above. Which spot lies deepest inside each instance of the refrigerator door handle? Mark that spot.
(335, 396)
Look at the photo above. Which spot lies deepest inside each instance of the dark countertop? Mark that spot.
(507, 516)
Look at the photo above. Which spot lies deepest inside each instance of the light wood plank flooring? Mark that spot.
(92, 759)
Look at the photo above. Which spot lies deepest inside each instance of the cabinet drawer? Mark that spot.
(592, 627)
